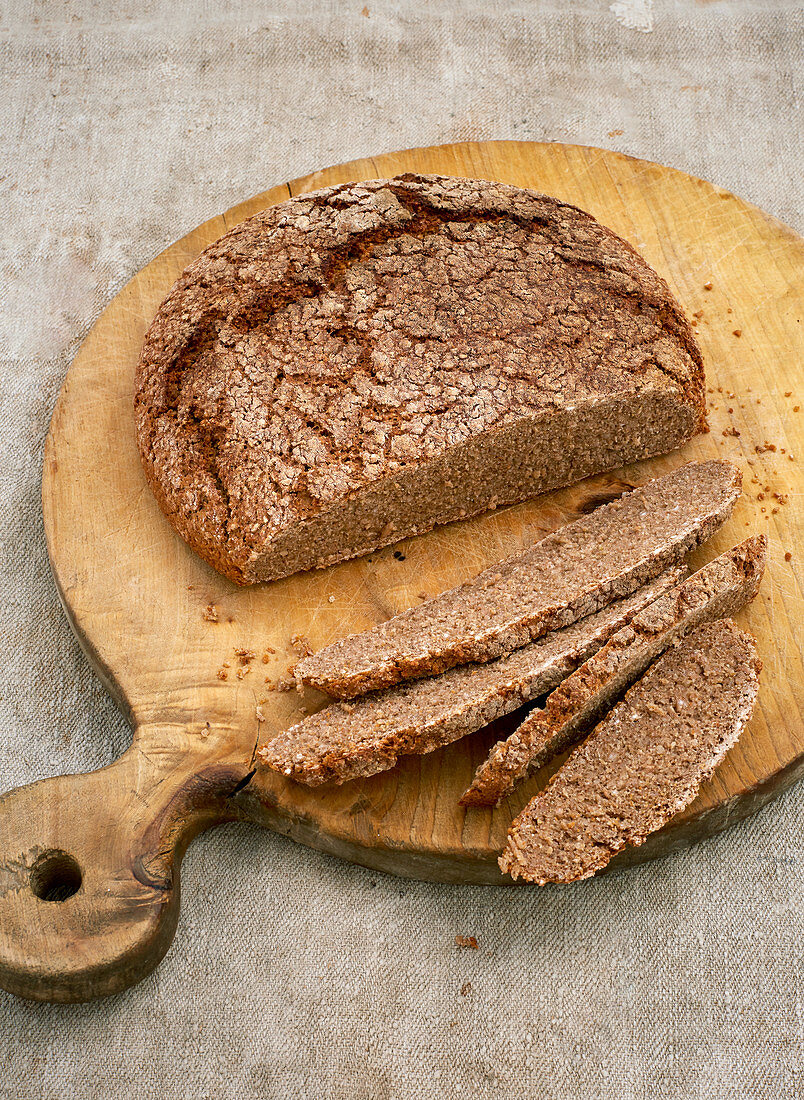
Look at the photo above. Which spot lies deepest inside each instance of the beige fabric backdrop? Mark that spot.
(122, 125)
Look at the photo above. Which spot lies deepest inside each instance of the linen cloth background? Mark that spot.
(122, 125)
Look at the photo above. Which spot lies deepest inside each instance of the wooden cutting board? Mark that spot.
(89, 864)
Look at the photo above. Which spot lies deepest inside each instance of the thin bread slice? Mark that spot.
(347, 740)
(721, 588)
(568, 575)
(644, 763)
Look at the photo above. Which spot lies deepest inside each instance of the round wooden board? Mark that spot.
(136, 595)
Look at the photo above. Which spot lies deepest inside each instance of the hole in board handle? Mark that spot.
(55, 876)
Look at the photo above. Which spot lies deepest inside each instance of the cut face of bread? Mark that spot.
(721, 588)
(347, 740)
(644, 763)
(570, 574)
(360, 364)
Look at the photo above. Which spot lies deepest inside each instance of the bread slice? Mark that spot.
(347, 740)
(721, 588)
(643, 763)
(568, 575)
(359, 364)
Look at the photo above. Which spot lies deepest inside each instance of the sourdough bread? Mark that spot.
(721, 588)
(347, 740)
(362, 363)
(643, 763)
(568, 575)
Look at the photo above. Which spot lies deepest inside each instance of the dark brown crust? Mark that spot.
(719, 589)
(569, 574)
(645, 761)
(308, 387)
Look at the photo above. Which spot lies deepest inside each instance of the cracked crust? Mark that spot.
(360, 364)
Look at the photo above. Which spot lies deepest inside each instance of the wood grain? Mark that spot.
(137, 597)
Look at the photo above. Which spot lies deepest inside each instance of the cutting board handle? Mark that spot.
(89, 869)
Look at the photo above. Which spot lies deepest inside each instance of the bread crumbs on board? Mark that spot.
(300, 645)
(210, 613)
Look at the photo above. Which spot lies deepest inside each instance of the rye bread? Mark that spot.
(347, 740)
(570, 574)
(721, 588)
(643, 763)
(359, 364)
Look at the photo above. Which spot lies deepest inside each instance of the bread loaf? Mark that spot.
(362, 363)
